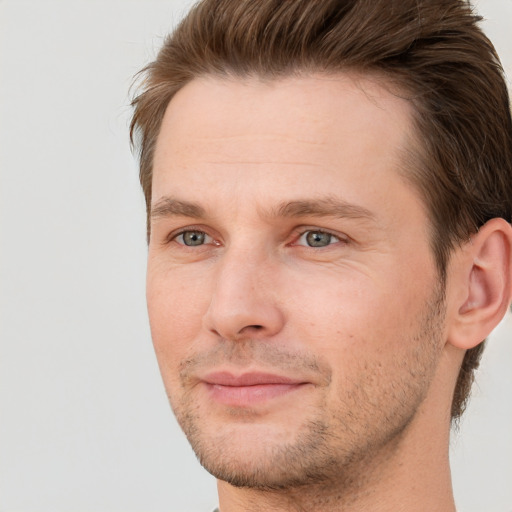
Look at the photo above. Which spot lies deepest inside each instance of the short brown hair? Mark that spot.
(432, 50)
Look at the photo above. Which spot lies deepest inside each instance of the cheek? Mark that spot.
(353, 314)
(176, 307)
(338, 301)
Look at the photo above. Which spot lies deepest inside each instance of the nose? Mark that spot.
(244, 299)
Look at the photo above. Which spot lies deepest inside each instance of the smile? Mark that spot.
(249, 389)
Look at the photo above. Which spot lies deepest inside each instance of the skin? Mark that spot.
(252, 173)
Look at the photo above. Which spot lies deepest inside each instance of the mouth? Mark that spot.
(249, 389)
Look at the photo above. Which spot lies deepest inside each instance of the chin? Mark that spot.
(259, 457)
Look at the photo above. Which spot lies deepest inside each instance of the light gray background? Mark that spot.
(84, 422)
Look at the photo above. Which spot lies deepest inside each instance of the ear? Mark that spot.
(485, 284)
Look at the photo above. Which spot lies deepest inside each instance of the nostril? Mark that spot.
(249, 330)
(253, 327)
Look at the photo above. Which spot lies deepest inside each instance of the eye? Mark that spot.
(317, 239)
(193, 238)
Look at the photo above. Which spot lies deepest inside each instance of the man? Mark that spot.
(329, 201)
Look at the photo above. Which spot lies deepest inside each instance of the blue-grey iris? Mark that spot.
(192, 238)
(318, 239)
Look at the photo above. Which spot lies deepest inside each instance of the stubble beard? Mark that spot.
(330, 447)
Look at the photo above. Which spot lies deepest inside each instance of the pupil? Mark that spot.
(193, 238)
(318, 239)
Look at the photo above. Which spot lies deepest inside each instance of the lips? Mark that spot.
(249, 389)
(247, 379)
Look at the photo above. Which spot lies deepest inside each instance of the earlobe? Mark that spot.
(487, 285)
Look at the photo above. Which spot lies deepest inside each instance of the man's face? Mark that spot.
(294, 303)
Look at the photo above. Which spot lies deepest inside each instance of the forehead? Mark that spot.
(299, 106)
(297, 134)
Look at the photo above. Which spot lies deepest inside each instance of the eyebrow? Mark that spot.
(172, 207)
(324, 207)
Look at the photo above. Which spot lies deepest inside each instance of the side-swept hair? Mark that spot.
(431, 50)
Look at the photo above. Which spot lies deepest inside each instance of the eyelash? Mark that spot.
(305, 232)
(174, 236)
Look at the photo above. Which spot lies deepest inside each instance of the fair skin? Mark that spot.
(301, 330)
